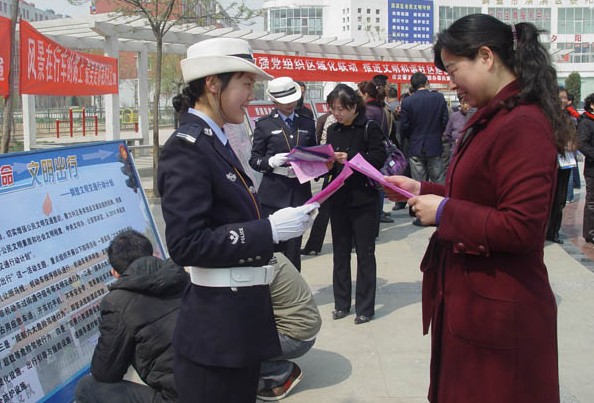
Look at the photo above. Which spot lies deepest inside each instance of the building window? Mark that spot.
(377, 11)
(368, 11)
(304, 21)
(377, 20)
(447, 14)
(575, 21)
(359, 10)
(541, 17)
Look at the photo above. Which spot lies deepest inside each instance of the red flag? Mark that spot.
(5, 56)
(48, 68)
(341, 70)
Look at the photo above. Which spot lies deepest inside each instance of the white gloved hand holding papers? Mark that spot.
(291, 222)
(277, 160)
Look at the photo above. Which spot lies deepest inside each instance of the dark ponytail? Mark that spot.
(519, 49)
(195, 89)
(373, 90)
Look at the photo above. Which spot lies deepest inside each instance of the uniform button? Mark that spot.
(482, 249)
(460, 247)
(250, 260)
(241, 261)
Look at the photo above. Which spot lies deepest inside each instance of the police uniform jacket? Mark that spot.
(213, 220)
(273, 136)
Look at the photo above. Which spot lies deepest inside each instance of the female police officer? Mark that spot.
(215, 227)
(274, 136)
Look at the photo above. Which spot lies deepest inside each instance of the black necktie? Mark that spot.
(231, 152)
(289, 122)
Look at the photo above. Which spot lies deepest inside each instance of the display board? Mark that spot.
(60, 209)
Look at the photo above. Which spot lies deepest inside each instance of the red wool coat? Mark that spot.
(485, 286)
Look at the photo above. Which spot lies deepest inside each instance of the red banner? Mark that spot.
(48, 68)
(5, 56)
(321, 108)
(341, 70)
(258, 110)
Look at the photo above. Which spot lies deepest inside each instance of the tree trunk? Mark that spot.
(157, 95)
(9, 102)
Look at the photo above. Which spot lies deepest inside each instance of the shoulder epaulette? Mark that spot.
(191, 132)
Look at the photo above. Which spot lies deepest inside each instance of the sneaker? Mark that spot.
(283, 390)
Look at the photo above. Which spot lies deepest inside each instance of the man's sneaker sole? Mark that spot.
(289, 389)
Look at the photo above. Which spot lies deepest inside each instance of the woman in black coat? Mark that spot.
(585, 132)
(354, 206)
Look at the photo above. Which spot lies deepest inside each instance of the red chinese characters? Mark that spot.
(340, 70)
(4, 56)
(48, 68)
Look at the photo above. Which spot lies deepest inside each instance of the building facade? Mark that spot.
(28, 11)
(569, 24)
(330, 18)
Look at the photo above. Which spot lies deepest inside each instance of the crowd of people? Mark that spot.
(233, 286)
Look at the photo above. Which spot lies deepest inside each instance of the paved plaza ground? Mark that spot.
(387, 360)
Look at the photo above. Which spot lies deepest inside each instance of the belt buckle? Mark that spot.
(291, 172)
(241, 275)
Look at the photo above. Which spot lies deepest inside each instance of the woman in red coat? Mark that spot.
(486, 291)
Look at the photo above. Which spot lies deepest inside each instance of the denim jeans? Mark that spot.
(90, 390)
(275, 372)
(427, 169)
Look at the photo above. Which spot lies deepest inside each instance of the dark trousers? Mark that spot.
(318, 229)
(559, 201)
(588, 227)
(358, 223)
(576, 177)
(291, 248)
(202, 383)
(90, 390)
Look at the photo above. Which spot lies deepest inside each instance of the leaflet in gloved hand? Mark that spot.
(310, 162)
(292, 222)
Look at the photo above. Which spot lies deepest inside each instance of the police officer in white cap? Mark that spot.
(274, 137)
(216, 227)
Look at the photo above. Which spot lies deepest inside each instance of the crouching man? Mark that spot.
(298, 322)
(138, 316)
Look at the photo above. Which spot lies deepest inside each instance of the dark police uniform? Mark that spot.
(273, 136)
(214, 220)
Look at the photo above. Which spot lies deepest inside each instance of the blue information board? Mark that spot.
(410, 21)
(60, 208)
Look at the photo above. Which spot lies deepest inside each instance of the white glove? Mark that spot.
(277, 160)
(292, 222)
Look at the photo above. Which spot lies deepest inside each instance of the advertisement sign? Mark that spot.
(341, 70)
(60, 210)
(48, 68)
(410, 21)
(4, 56)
